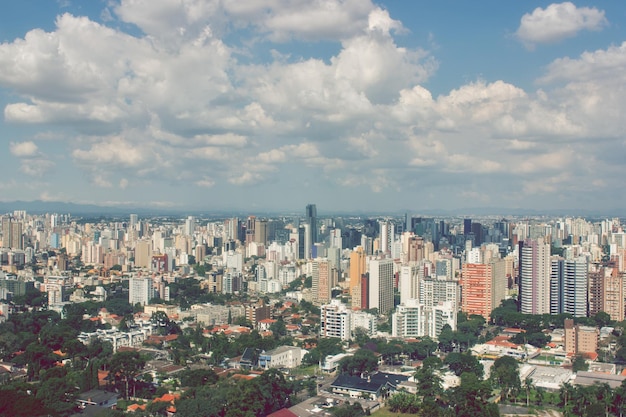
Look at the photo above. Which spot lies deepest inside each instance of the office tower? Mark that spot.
(132, 223)
(335, 239)
(231, 229)
(321, 280)
(140, 290)
(335, 320)
(250, 231)
(311, 220)
(12, 234)
(308, 247)
(477, 232)
(143, 254)
(409, 282)
(381, 285)
(387, 236)
(190, 226)
(534, 276)
(260, 231)
(357, 270)
(301, 240)
(467, 226)
(483, 287)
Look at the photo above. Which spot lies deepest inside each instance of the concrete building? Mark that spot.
(322, 280)
(580, 339)
(483, 287)
(381, 285)
(534, 276)
(282, 357)
(357, 270)
(140, 290)
(335, 320)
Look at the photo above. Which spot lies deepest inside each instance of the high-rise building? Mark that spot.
(261, 231)
(140, 290)
(357, 269)
(570, 285)
(575, 287)
(613, 292)
(534, 276)
(409, 282)
(311, 220)
(483, 287)
(335, 320)
(381, 285)
(387, 235)
(321, 280)
(12, 234)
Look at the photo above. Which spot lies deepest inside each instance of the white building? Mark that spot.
(282, 357)
(140, 290)
(335, 320)
(381, 285)
(414, 319)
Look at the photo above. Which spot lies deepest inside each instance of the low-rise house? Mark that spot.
(98, 398)
(282, 357)
(371, 387)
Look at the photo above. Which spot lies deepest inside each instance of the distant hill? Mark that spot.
(92, 210)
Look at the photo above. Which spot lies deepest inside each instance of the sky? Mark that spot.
(349, 104)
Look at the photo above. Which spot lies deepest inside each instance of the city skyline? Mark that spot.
(354, 105)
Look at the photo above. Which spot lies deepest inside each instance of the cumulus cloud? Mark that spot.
(182, 103)
(558, 21)
(23, 149)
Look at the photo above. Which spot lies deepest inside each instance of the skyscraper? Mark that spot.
(311, 220)
(387, 236)
(381, 285)
(321, 280)
(357, 270)
(575, 274)
(12, 233)
(534, 276)
(483, 287)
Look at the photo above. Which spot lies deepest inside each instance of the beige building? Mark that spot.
(580, 339)
(357, 269)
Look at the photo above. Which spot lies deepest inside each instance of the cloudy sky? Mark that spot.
(350, 104)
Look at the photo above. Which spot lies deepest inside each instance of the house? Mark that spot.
(372, 387)
(250, 358)
(282, 357)
(98, 398)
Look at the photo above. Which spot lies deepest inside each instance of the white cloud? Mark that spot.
(184, 105)
(558, 21)
(37, 167)
(23, 149)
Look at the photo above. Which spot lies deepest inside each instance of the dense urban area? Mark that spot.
(311, 315)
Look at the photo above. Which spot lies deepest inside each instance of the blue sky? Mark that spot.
(351, 104)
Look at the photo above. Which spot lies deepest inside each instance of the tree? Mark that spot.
(504, 374)
(125, 366)
(460, 363)
(363, 361)
(198, 377)
(528, 386)
(471, 398)
(579, 363)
